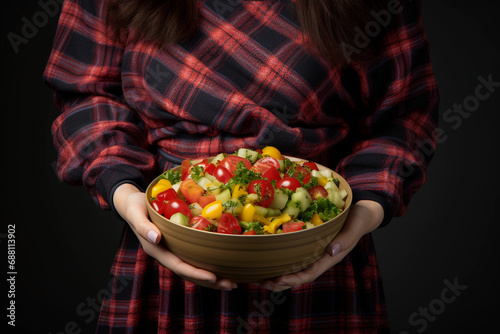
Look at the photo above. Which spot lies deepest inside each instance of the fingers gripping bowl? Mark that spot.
(251, 257)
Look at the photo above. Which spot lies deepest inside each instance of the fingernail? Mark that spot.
(152, 236)
(335, 249)
(280, 283)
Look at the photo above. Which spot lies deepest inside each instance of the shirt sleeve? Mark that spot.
(100, 140)
(396, 129)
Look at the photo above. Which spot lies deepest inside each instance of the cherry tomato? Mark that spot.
(158, 206)
(176, 205)
(251, 232)
(222, 174)
(272, 174)
(289, 183)
(186, 169)
(311, 165)
(261, 168)
(306, 174)
(228, 224)
(231, 162)
(317, 192)
(292, 226)
(167, 195)
(265, 191)
(201, 223)
(210, 169)
(268, 161)
(191, 190)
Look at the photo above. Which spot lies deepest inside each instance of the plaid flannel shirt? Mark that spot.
(131, 110)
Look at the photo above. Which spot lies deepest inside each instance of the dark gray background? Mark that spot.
(65, 244)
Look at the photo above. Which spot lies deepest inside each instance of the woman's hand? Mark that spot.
(364, 217)
(130, 203)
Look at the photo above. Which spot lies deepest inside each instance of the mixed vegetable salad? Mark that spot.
(248, 192)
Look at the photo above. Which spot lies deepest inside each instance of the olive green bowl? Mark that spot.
(249, 258)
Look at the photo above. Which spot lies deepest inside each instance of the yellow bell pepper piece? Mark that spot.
(276, 222)
(161, 186)
(316, 220)
(261, 219)
(322, 181)
(238, 190)
(247, 213)
(212, 210)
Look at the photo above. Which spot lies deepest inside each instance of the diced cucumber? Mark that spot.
(279, 201)
(252, 198)
(218, 158)
(317, 174)
(336, 198)
(343, 193)
(177, 186)
(327, 173)
(196, 209)
(301, 199)
(223, 196)
(331, 185)
(292, 211)
(248, 154)
(204, 182)
(259, 210)
(214, 187)
(233, 206)
(180, 219)
(211, 177)
(282, 165)
(303, 190)
(273, 212)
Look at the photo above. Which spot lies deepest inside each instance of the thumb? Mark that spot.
(130, 203)
(140, 223)
(348, 236)
(363, 218)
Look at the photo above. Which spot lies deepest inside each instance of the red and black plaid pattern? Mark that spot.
(148, 298)
(247, 79)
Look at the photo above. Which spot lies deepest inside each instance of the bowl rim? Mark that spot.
(345, 210)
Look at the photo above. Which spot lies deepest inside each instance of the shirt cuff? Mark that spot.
(112, 177)
(385, 202)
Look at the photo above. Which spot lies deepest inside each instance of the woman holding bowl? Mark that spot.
(144, 84)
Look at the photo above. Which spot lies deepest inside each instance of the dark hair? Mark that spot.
(328, 24)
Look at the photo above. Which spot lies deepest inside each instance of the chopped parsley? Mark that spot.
(197, 172)
(324, 207)
(242, 176)
(172, 177)
(253, 226)
(312, 183)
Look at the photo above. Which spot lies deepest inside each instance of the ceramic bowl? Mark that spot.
(250, 258)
